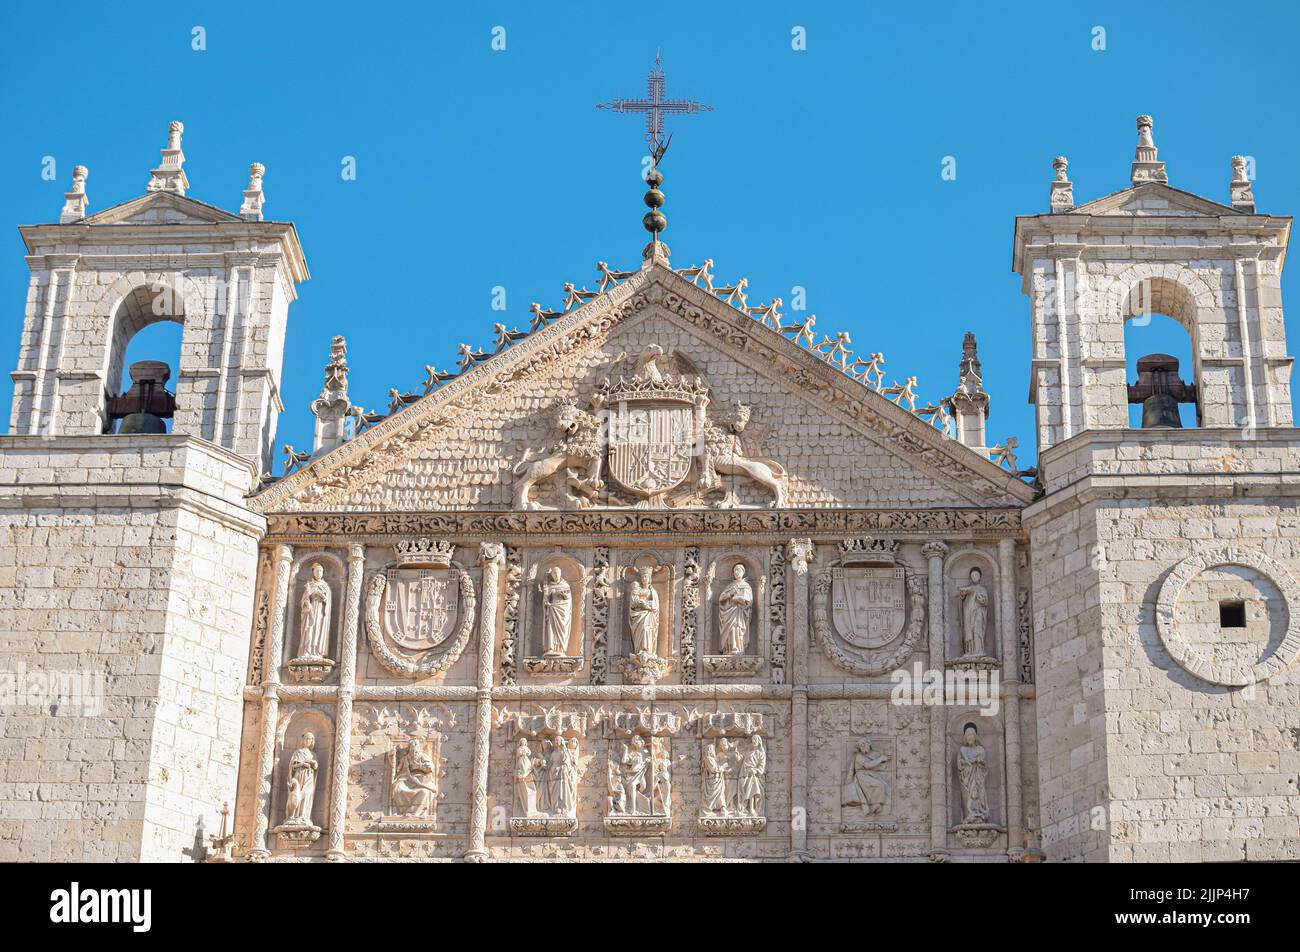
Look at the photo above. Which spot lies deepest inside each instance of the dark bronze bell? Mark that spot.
(142, 423)
(147, 406)
(1159, 409)
(1160, 390)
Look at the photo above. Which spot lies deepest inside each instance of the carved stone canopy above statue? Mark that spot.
(649, 429)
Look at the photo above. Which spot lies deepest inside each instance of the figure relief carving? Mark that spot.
(314, 616)
(413, 787)
(866, 800)
(546, 768)
(733, 776)
(974, 615)
(648, 428)
(737, 625)
(557, 622)
(578, 447)
(420, 610)
(639, 774)
(298, 827)
(976, 829)
(644, 664)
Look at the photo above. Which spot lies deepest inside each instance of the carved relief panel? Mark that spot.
(733, 774)
(639, 772)
(547, 766)
(404, 768)
(868, 608)
(420, 610)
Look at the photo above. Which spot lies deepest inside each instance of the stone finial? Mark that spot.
(251, 210)
(332, 408)
(75, 202)
(1062, 198)
(169, 176)
(969, 404)
(1146, 168)
(654, 221)
(1241, 189)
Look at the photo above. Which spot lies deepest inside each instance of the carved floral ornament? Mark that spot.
(868, 611)
(420, 610)
(1193, 658)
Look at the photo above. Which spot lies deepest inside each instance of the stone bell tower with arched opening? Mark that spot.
(127, 544)
(1164, 559)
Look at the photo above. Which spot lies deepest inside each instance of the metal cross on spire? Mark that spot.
(656, 107)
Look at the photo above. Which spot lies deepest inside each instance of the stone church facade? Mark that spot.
(666, 576)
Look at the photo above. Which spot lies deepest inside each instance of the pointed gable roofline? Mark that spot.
(658, 285)
(1189, 214)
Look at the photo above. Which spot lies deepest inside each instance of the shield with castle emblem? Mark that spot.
(650, 446)
(868, 604)
(419, 607)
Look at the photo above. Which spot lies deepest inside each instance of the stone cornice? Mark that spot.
(716, 525)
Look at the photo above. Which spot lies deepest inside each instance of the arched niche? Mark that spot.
(138, 309)
(663, 574)
(988, 734)
(957, 577)
(334, 574)
(289, 737)
(717, 577)
(574, 574)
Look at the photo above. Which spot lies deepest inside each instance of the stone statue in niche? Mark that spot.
(735, 607)
(862, 787)
(973, 773)
(643, 613)
(312, 665)
(525, 779)
(298, 828)
(314, 629)
(717, 766)
(753, 777)
(415, 784)
(557, 614)
(974, 615)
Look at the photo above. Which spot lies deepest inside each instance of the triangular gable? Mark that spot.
(970, 479)
(1153, 199)
(156, 208)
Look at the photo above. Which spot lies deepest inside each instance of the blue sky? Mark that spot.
(479, 168)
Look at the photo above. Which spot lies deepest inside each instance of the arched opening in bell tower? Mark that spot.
(1161, 367)
(143, 357)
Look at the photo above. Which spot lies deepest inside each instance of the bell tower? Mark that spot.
(128, 555)
(98, 280)
(1163, 557)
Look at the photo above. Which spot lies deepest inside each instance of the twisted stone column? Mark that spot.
(934, 552)
(343, 711)
(492, 557)
(1011, 694)
(271, 702)
(800, 553)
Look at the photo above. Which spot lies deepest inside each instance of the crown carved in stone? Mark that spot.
(423, 553)
(868, 550)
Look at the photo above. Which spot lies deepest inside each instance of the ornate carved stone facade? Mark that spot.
(665, 578)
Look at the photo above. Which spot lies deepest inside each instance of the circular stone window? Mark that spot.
(1228, 615)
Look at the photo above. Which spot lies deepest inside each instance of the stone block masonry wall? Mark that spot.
(1141, 759)
(127, 568)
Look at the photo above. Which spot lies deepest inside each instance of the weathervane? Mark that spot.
(656, 108)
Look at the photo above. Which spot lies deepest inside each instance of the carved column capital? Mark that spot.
(491, 553)
(801, 553)
(935, 549)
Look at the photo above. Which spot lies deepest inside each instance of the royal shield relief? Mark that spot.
(650, 447)
(868, 604)
(419, 608)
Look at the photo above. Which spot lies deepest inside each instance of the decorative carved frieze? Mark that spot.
(510, 620)
(602, 592)
(776, 611)
(690, 613)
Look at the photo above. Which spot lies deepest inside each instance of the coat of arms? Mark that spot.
(868, 604)
(655, 423)
(418, 609)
